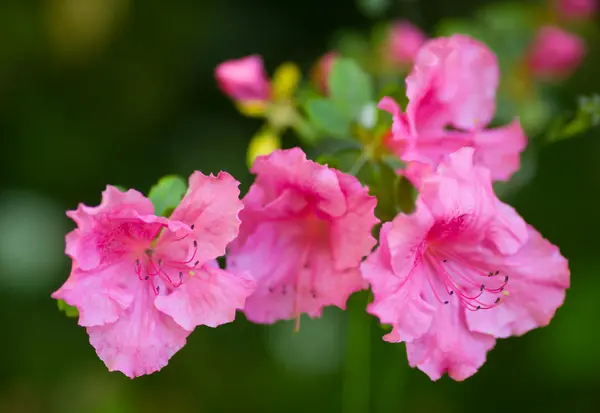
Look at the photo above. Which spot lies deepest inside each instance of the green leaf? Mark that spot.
(587, 117)
(350, 87)
(167, 194)
(69, 310)
(326, 116)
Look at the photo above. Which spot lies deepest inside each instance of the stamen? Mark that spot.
(192, 226)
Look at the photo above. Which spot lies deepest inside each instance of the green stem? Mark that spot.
(356, 386)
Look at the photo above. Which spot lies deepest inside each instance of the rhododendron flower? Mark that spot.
(244, 80)
(321, 69)
(555, 53)
(461, 271)
(305, 229)
(451, 92)
(404, 41)
(576, 9)
(142, 283)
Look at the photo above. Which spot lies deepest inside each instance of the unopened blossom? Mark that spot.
(403, 42)
(142, 282)
(461, 271)
(305, 229)
(555, 53)
(244, 80)
(321, 70)
(451, 92)
(576, 9)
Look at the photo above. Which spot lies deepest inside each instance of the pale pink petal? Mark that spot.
(350, 234)
(397, 298)
(507, 232)
(499, 149)
(244, 79)
(141, 341)
(289, 169)
(209, 297)
(211, 205)
(449, 347)
(539, 276)
(454, 80)
(101, 295)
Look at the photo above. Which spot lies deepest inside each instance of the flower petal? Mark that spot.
(210, 297)
(101, 295)
(141, 341)
(538, 277)
(211, 205)
(449, 347)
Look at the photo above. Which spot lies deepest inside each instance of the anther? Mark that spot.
(160, 262)
(497, 272)
(444, 260)
(491, 274)
(314, 294)
(158, 289)
(192, 226)
(195, 243)
(482, 287)
(478, 307)
(180, 275)
(196, 263)
(506, 279)
(446, 302)
(497, 300)
(137, 262)
(146, 277)
(451, 292)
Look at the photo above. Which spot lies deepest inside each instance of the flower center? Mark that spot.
(475, 289)
(155, 265)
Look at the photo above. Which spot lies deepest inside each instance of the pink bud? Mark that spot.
(555, 53)
(576, 9)
(244, 79)
(404, 41)
(321, 70)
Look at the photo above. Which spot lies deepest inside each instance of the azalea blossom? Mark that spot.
(451, 91)
(461, 271)
(576, 9)
(142, 282)
(244, 80)
(403, 42)
(555, 53)
(305, 229)
(321, 69)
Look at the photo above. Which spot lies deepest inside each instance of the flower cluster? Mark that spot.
(458, 272)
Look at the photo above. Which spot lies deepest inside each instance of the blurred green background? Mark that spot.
(122, 92)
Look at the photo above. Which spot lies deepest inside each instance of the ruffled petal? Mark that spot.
(101, 295)
(141, 341)
(211, 205)
(397, 299)
(538, 277)
(449, 347)
(209, 297)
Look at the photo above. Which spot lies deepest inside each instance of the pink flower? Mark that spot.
(460, 271)
(451, 93)
(576, 9)
(142, 283)
(404, 41)
(244, 79)
(305, 229)
(321, 70)
(555, 53)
